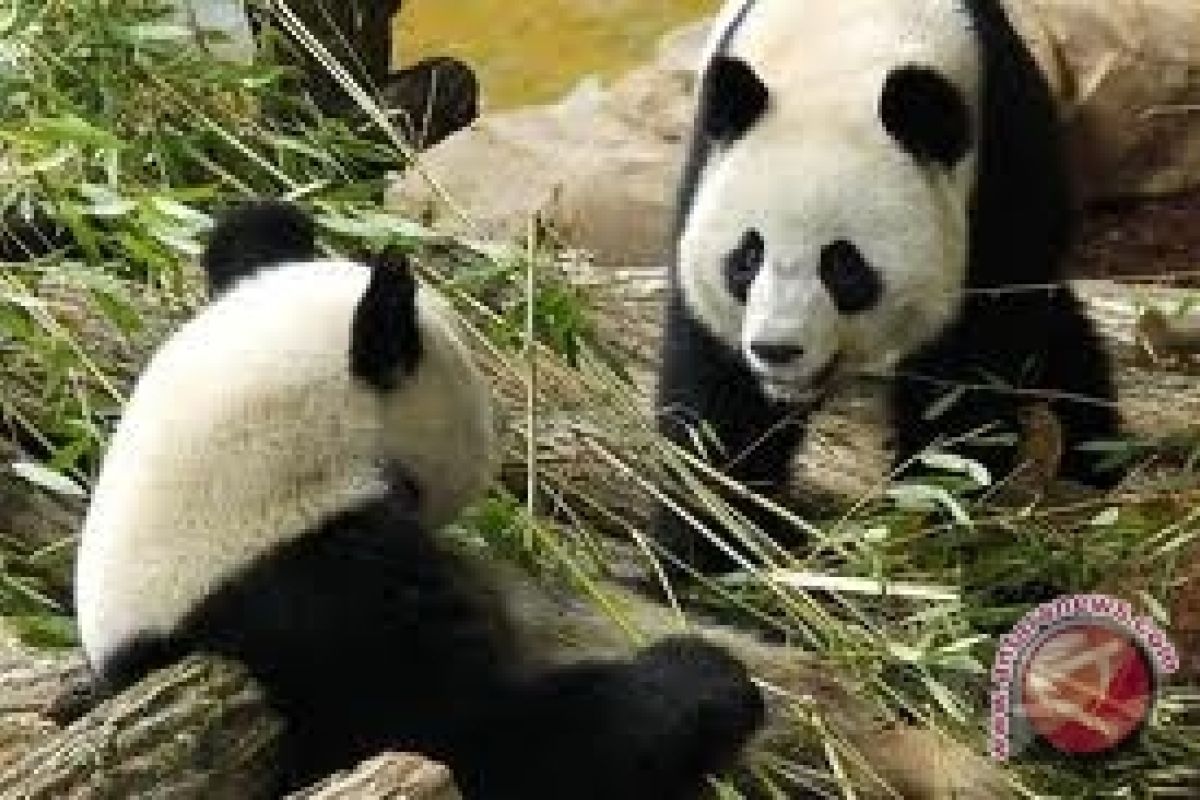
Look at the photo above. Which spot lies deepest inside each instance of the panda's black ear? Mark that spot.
(926, 114)
(385, 338)
(732, 99)
(254, 235)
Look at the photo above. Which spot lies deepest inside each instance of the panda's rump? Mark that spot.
(366, 634)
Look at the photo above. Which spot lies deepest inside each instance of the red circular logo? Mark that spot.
(1087, 687)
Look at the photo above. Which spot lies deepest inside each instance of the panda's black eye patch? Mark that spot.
(852, 283)
(926, 114)
(743, 263)
(732, 99)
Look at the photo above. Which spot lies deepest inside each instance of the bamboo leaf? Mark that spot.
(48, 479)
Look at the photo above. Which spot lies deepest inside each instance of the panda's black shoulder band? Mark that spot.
(385, 341)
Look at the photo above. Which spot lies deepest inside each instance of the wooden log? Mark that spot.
(198, 730)
(393, 776)
(30, 684)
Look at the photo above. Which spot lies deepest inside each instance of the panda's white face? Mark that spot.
(439, 425)
(828, 232)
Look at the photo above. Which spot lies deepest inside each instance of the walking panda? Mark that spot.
(865, 179)
(269, 496)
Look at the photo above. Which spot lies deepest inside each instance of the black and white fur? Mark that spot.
(861, 173)
(270, 496)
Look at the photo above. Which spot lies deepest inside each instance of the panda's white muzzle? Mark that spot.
(798, 389)
(790, 336)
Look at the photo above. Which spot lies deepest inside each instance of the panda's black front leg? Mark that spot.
(705, 388)
(1005, 354)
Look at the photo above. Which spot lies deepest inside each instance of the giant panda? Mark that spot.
(873, 186)
(271, 495)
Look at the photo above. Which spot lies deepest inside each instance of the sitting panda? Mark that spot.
(865, 179)
(269, 496)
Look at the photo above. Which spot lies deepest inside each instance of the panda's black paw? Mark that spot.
(710, 706)
(650, 728)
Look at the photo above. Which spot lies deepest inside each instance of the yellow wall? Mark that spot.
(530, 51)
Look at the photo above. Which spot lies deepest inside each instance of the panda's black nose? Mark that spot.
(776, 354)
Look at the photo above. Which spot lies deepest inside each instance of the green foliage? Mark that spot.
(33, 602)
(45, 631)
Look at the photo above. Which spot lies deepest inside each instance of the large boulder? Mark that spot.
(1127, 73)
(600, 166)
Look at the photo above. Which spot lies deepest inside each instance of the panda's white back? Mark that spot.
(245, 430)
